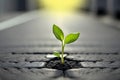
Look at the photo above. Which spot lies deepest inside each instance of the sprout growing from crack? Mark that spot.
(70, 38)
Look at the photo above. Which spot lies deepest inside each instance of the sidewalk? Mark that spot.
(110, 21)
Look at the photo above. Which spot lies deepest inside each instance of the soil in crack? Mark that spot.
(55, 63)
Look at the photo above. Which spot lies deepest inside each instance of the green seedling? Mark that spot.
(70, 38)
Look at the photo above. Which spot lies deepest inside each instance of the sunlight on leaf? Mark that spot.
(71, 38)
(58, 32)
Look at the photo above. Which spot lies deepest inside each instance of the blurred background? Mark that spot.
(99, 7)
(95, 19)
(109, 10)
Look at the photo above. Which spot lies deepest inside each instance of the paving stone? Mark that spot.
(13, 70)
(91, 74)
(116, 71)
(41, 57)
(100, 64)
(36, 58)
(30, 74)
(33, 64)
(52, 72)
(93, 57)
(22, 57)
(23, 64)
(24, 70)
(16, 58)
(116, 63)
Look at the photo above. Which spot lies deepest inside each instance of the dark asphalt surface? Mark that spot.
(98, 45)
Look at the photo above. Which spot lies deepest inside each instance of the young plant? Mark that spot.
(64, 40)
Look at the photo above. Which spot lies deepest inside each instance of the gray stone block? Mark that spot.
(95, 57)
(101, 64)
(91, 74)
(23, 65)
(30, 74)
(22, 57)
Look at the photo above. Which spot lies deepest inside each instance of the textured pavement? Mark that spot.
(22, 49)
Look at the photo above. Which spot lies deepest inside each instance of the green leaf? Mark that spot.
(57, 54)
(71, 38)
(58, 32)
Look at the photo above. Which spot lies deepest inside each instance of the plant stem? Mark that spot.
(62, 55)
